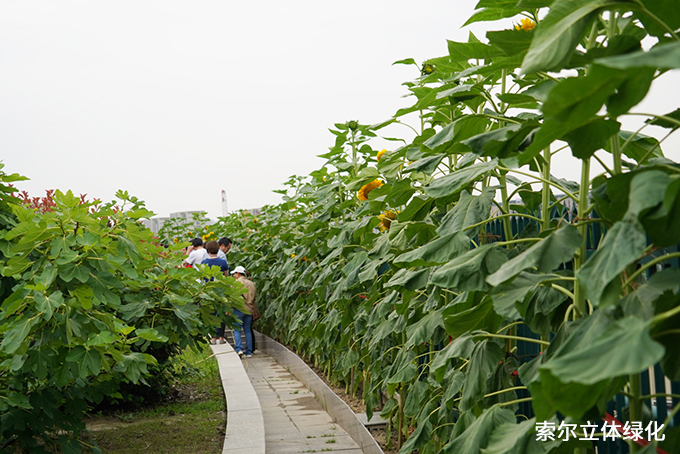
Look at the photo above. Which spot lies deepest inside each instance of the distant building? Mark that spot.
(155, 224)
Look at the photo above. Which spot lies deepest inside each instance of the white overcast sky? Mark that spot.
(175, 101)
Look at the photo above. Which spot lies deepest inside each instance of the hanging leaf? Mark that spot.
(469, 271)
(624, 348)
(661, 56)
(480, 317)
(455, 182)
(546, 255)
(469, 210)
(436, 252)
(557, 35)
(476, 436)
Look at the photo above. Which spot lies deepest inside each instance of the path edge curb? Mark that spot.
(244, 433)
(341, 413)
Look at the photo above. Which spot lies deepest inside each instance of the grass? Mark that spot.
(194, 422)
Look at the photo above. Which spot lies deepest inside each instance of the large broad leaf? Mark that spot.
(559, 32)
(476, 436)
(575, 102)
(480, 317)
(47, 304)
(419, 437)
(514, 438)
(416, 210)
(622, 245)
(469, 210)
(409, 279)
(483, 362)
(468, 272)
(624, 348)
(506, 295)
(461, 347)
(502, 142)
(423, 330)
(663, 224)
(15, 336)
(663, 56)
(460, 129)
(589, 138)
(458, 180)
(473, 49)
(638, 147)
(665, 10)
(512, 42)
(435, 252)
(546, 255)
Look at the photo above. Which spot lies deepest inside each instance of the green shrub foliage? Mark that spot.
(92, 303)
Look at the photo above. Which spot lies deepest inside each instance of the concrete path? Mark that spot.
(294, 421)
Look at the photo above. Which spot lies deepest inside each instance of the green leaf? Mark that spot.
(476, 436)
(511, 42)
(151, 334)
(469, 210)
(417, 208)
(461, 347)
(624, 348)
(426, 165)
(640, 147)
(662, 56)
(664, 10)
(493, 14)
(514, 438)
(593, 136)
(460, 129)
(457, 181)
(423, 330)
(16, 335)
(483, 362)
(418, 438)
(435, 252)
(469, 271)
(466, 51)
(663, 224)
(502, 142)
(546, 255)
(506, 295)
(557, 35)
(480, 317)
(47, 304)
(406, 61)
(100, 339)
(409, 279)
(675, 115)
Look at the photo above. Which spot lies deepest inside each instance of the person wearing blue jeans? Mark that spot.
(246, 323)
(246, 319)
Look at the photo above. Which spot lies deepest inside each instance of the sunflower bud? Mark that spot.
(427, 69)
(353, 125)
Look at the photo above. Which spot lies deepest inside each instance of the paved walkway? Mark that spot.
(294, 421)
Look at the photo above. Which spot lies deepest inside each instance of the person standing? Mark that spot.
(225, 245)
(213, 260)
(197, 254)
(246, 319)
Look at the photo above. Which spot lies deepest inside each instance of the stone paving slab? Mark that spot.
(295, 422)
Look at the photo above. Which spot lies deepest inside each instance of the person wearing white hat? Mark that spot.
(246, 319)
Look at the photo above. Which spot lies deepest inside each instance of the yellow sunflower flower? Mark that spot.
(365, 189)
(525, 24)
(380, 153)
(386, 219)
